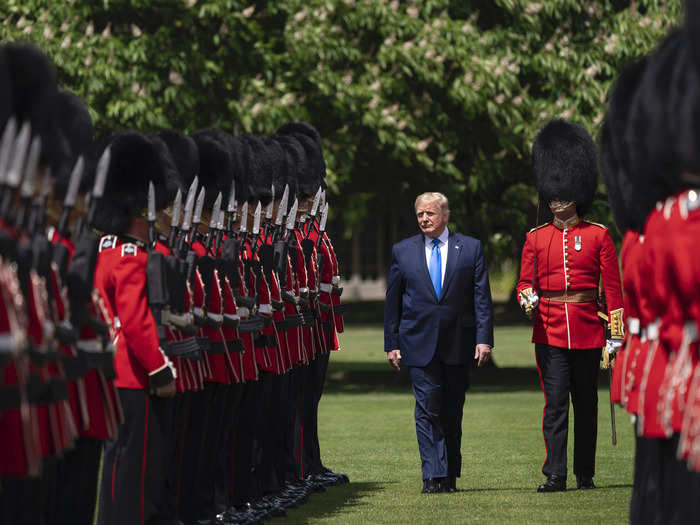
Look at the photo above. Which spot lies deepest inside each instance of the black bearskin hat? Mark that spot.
(625, 194)
(276, 156)
(564, 164)
(259, 171)
(240, 152)
(650, 132)
(34, 93)
(295, 162)
(310, 139)
(184, 152)
(215, 165)
(5, 91)
(135, 160)
(76, 125)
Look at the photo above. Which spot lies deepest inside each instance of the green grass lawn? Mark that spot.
(366, 430)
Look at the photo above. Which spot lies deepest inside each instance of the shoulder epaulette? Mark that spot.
(129, 249)
(107, 242)
(540, 226)
(597, 224)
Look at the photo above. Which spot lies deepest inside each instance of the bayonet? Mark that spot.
(98, 187)
(198, 207)
(282, 209)
(324, 219)
(270, 206)
(323, 199)
(244, 218)
(231, 206)
(219, 228)
(14, 174)
(76, 177)
(317, 200)
(8, 139)
(175, 218)
(151, 214)
(27, 188)
(189, 205)
(291, 218)
(213, 220)
(256, 219)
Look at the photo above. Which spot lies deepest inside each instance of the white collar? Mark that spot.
(443, 238)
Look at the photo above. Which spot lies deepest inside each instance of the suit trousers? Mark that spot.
(565, 373)
(439, 391)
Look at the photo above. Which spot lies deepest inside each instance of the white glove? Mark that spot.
(529, 301)
(612, 346)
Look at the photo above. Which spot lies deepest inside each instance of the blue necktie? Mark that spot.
(435, 267)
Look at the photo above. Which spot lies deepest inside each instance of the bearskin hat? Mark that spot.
(34, 90)
(259, 171)
(184, 152)
(135, 160)
(295, 162)
(625, 194)
(276, 155)
(310, 140)
(5, 90)
(564, 164)
(215, 165)
(240, 152)
(650, 131)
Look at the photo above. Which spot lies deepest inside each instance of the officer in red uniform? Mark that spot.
(134, 472)
(561, 267)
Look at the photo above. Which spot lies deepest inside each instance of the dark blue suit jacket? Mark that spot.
(419, 323)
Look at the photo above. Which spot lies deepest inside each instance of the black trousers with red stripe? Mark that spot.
(567, 373)
(134, 469)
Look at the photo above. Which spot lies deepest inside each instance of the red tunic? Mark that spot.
(120, 277)
(570, 259)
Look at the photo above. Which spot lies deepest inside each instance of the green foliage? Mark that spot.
(408, 95)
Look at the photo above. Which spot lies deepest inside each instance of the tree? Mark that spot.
(408, 95)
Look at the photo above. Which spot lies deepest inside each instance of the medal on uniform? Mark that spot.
(577, 243)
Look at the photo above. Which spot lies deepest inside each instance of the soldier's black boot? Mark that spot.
(448, 484)
(554, 483)
(585, 482)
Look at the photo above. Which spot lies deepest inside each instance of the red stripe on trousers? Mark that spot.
(143, 463)
(544, 408)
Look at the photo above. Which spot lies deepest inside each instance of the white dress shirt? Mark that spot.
(443, 251)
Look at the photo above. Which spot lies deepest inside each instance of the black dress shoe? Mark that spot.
(448, 484)
(554, 483)
(585, 482)
(431, 486)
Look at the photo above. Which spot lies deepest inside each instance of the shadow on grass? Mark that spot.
(532, 488)
(335, 500)
(368, 377)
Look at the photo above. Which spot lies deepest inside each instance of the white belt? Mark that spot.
(633, 325)
(653, 330)
(243, 312)
(325, 287)
(265, 309)
(93, 346)
(690, 328)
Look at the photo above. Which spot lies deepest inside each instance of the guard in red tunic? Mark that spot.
(134, 471)
(562, 265)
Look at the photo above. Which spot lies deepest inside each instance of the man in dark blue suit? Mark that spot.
(438, 319)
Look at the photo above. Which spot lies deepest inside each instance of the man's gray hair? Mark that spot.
(433, 196)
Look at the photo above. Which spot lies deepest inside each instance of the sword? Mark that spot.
(76, 177)
(612, 413)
